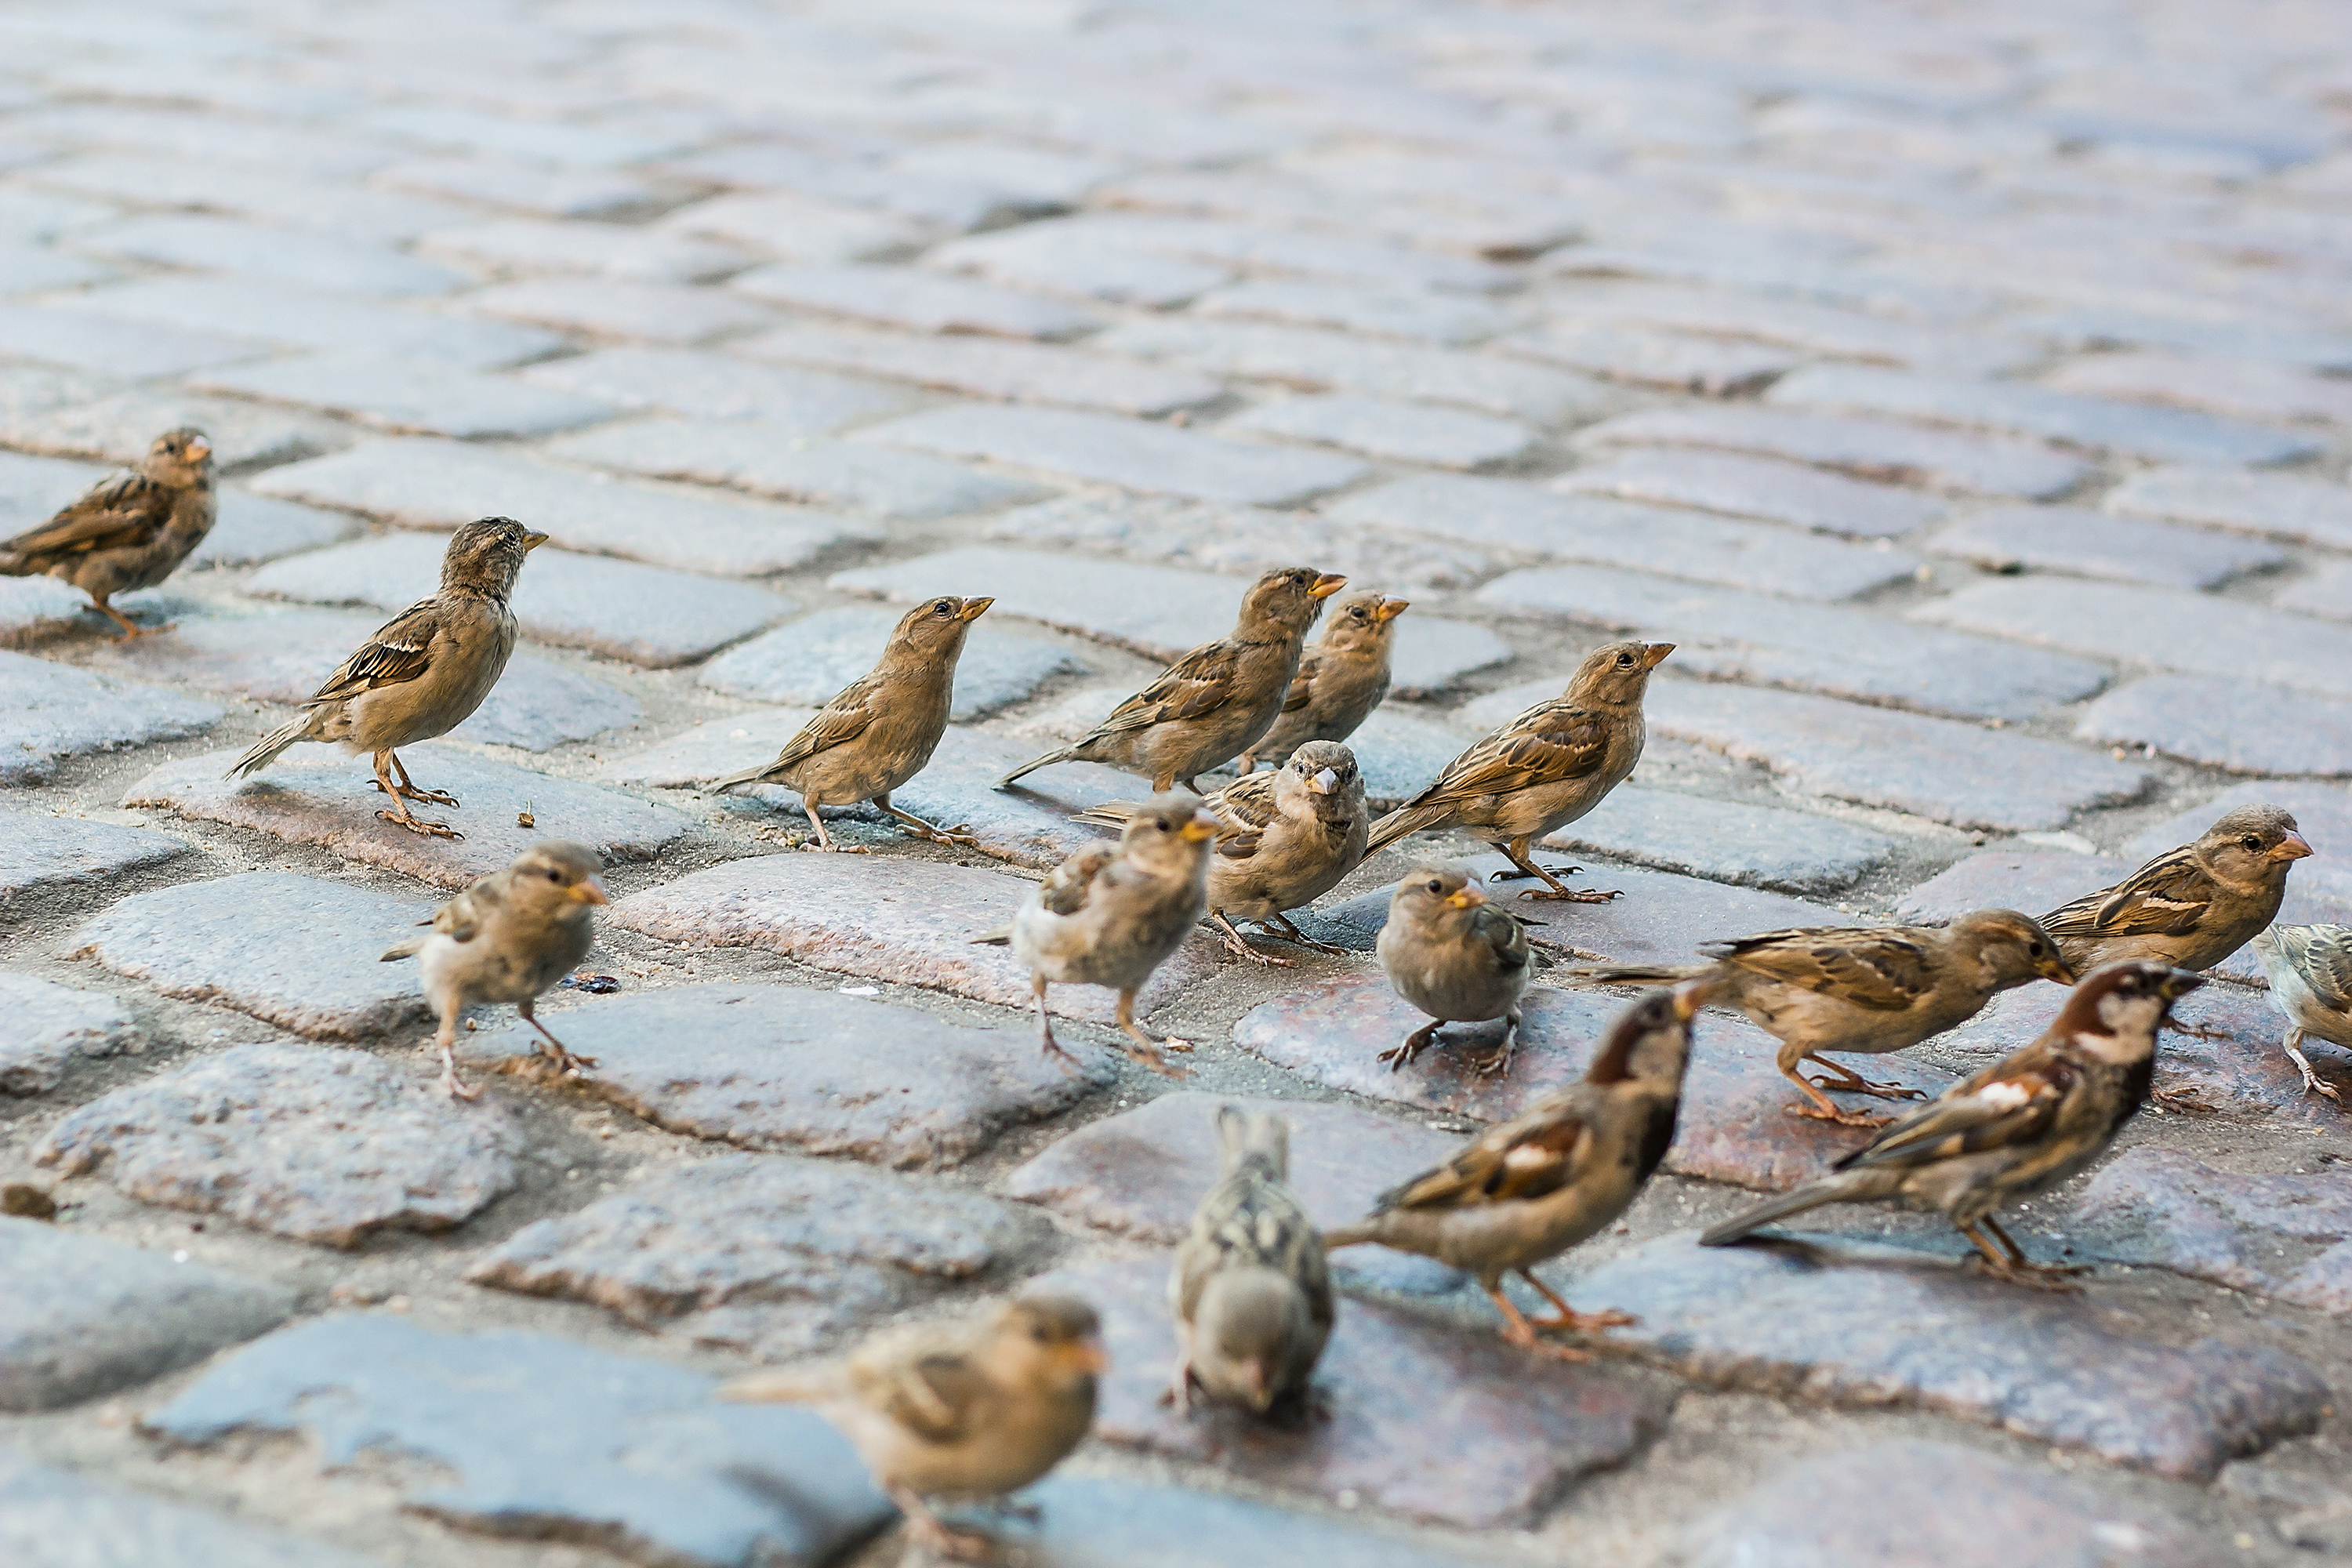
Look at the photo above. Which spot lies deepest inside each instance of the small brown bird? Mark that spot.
(508, 938)
(423, 673)
(2020, 1127)
(1251, 1291)
(1448, 951)
(128, 532)
(1545, 768)
(882, 728)
(1558, 1172)
(2310, 972)
(1214, 703)
(1866, 990)
(1341, 679)
(2190, 907)
(954, 1411)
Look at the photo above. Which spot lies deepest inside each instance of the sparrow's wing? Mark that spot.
(1503, 932)
(1065, 888)
(1245, 811)
(1199, 683)
(938, 1394)
(1526, 1157)
(1549, 743)
(2013, 1101)
(1886, 971)
(126, 509)
(461, 918)
(2167, 896)
(843, 719)
(399, 652)
(1303, 684)
(2324, 956)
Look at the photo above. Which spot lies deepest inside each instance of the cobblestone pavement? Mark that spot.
(1966, 389)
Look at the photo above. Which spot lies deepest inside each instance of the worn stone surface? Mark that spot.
(780, 223)
(774, 460)
(982, 366)
(2323, 592)
(50, 1025)
(1822, 329)
(2243, 726)
(322, 1146)
(1672, 361)
(608, 250)
(774, 1257)
(401, 394)
(1752, 846)
(609, 308)
(80, 1317)
(1033, 257)
(808, 660)
(119, 429)
(507, 1432)
(2285, 1235)
(1398, 755)
(39, 853)
(1869, 448)
(303, 257)
(1877, 1325)
(315, 794)
(924, 302)
(35, 609)
(54, 1519)
(271, 312)
(1756, 487)
(2013, 878)
(779, 1069)
(2280, 506)
(1093, 1523)
(2093, 544)
(255, 528)
(50, 712)
(1399, 432)
(1449, 319)
(2267, 393)
(715, 387)
(110, 346)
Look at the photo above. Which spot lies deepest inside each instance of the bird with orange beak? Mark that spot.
(128, 532)
(1341, 679)
(1450, 953)
(2192, 907)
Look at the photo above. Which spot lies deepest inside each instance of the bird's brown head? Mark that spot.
(484, 557)
(2252, 845)
(1326, 772)
(935, 628)
(1616, 674)
(2116, 1011)
(1058, 1338)
(1290, 597)
(1650, 1039)
(1361, 623)
(180, 457)
(1441, 893)
(559, 872)
(2012, 947)
(1169, 834)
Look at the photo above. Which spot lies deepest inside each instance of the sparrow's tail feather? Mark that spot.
(1034, 764)
(1109, 814)
(1397, 824)
(1797, 1200)
(268, 749)
(16, 565)
(748, 775)
(399, 950)
(778, 1388)
(1000, 937)
(1585, 974)
(1351, 1234)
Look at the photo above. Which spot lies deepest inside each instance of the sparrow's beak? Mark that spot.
(1691, 995)
(2179, 983)
(1261, 1390)
(587, 892)
(199, 449)
(1391, 608)
(533, 541)
(1088, 1355)
(974, 608)
(1203, 825)
(2293, 846)
(1655, 654)
(1324, 782)
(2050, 966)
(1326, 585)
(1469, 897)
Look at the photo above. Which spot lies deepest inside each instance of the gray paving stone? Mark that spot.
(514, 183)
(290, 256)
(325, 1146)
(29, 390)
(54, 1519)
(1042, 178)
(346, 323)
(80, 1317)
(2283, 1235)
(1398, 755)
(909, 922)
(1339, 259)
(1674, 362)
(405, 394)
(954, 201)
(2268, 393)
(34, 610)
(1036, 256)
(2245, 727)
(993, 367)
(50, 1025)
(777, 223)
(508, 1432)
(2157, 627)
(776, 459)
(1090, 1522)
(2247, 339)
(315, 794)
(618, 608)
(772, 1257)
(1132, 455)
(2277, 506)
(1947, 772)
(52, 711)
(809, 660)
(624, 251)
(30, 269)
(434, 484)
(254, 528)
(195, 134)
(715, 387)
(1726, 841)
(1237, 539)
(1870, 449)
(1399, 432)
(1318, 362)
(1723, 633)
(273, 196)
(785, 1069)
(2013, 876)
(2048, 1368)
(2326, 592)
(36, 215)
(919, 302)
(292, 951)
(40, 852)
(120, 428)
(1799, 324)
(1527, 520)
(110, 346)
(658, 312)
(2081, 542)
(1449, 320)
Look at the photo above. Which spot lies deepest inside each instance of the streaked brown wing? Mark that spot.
(129, 510)
(1526, 1157)
(1065, 888)
(1549, 743)
(1201, 683)
(2167, 896)
(2324, 954)
(1884, 972)
(397, 653)
(2012, 1103)
(843, 719)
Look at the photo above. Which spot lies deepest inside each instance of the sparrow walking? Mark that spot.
(2310, 972)
(128, 532)
(2190, 907)
(1448, 951)
(1341, 679)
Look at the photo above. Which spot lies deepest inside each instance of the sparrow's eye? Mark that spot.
(2249, 842)
(555, 876)
(1625, 661)
(1437, 887)
(1357, 612)
(1160, 823)
(2034, 948)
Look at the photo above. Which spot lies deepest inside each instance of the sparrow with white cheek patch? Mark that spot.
(881, 731)
(128, 532)
(508, 938)
(1451, 953)
(1341, 679)
(2310, 972)
(2018, 1127)
(1561, 1171)
(2190, 907)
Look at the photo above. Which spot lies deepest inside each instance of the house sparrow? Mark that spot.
(2310, 972)
(1251, 1291)
(1545, 768)
(127, 532)
(1215, 703)
(1111, 913)
(423, 673)
(508, 938)
(1341, 679)
(2190, 907)
(1451, 953)
(1560, 1171)
(882, 729)
(1284, 838)
(2020, 1127)
(1861, 989)
(954, 1410)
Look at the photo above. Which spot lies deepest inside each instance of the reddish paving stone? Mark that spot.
(2285, 1235)
(2240, 726)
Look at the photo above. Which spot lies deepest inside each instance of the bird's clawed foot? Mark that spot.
(2312, 1082)
(1568, 895)
(2199, 1031)
(2056, 1279)
(454, 1086)
(418, 825)
(1292, 933)
(1239, 947)
(1496, 1063)
(1831, 1113)
(1856, 1085)
(1523, 1335)
(2179, 1102)
(406, 790)
(1400, 1056)
(959, 837)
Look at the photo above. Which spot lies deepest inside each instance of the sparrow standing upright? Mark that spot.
(2190, 907)
(2310, 972)
(424, 672)
(1451, 953)
(508, 938)
(1341, 679)
(882, 729)
(1545, 768)
(128, 532)
(1214, 703)
(1532, 1188)
(2020, 1127)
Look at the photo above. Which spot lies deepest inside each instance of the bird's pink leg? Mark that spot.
(400, 815)
(1517, 852)
(564, 1060)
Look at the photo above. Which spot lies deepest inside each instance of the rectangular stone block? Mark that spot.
(1334, 257)
(2326, 593)
(1728, 841)
(773, 459)
(410, 394)
(1756, 487)
(500, 182)
(2087, 543)
(51, 1027)
(41, 854)
(2272, 393)
(122, 427)
(299, 256)
(809, 660)
(919, 302)
(1237, 539)
(55, 334)
(1034, 256)
(50, 712)
(624, 251)
(1673, 362)
(1870, 449)
(256, 528)
(56, 1518)
(274, 195)
(1398, 432)
(2243, 727)
(781, 224)
(2277, 506)
(993, 367)
(344, 324)
(1795, 323)
(657, 312)
(1450, 321)
(718, 387)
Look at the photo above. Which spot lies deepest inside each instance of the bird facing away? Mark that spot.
(423, 673)
(1861, 989)
(1212, 704)
(1250, 1291)
(1561, 1171)
(508, 938)
(2020, 1127)
(956, 1411)
(127, 532)
(1545, 768)
(2190, 907)
(1284, 838)
(882, 729)
(1111, 913)
(2310, 972)
(1340, 682)
(1448, 951)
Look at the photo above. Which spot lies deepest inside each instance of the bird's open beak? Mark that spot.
(1324, 782)
(1205, 825)
(1655, 654)
(1691, 995)
(1326, 585)
(533, 541)
(2050, 966)
(1469, 897)
(974, 608)
(2293, 846)
(1391, 608)
(588, 893)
